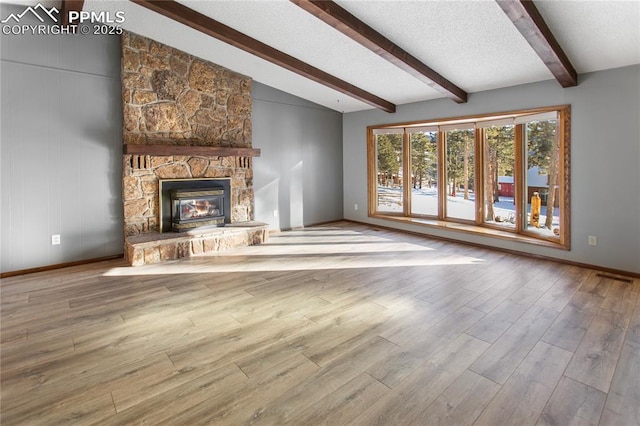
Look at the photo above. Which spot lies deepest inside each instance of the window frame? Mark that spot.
(479, 225)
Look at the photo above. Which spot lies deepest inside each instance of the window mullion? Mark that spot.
(479, 174)
(564, 173)
(519, 187)
(442, 176)
(372, 173)
(406, 174)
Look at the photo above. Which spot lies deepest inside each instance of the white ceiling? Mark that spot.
(471, 43)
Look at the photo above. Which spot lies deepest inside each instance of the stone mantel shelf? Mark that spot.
(190, 150)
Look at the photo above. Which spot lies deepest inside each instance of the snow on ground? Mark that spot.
(425, 201)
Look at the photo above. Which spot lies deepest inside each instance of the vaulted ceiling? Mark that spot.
(467, 46)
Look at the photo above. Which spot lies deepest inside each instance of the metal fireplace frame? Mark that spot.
(164, 197)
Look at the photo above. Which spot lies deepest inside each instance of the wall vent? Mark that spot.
(243, 162)
(140, 162)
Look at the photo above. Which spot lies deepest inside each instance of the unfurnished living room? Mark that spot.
(300, 212)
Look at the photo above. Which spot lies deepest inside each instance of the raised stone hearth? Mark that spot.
(151, 248)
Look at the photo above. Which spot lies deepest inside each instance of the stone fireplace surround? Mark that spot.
(145, 244)
(184, 118)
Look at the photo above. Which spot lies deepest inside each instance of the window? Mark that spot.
(389, 171)
(542, 176)
(499, 165)
(460, 157)
(424, 172)
(504, 172)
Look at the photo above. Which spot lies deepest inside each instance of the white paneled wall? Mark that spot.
(61, 148)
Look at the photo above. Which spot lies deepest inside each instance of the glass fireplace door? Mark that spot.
(195, 208)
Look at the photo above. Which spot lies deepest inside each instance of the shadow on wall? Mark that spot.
(266, 199)
(296, 197)
(275, 208)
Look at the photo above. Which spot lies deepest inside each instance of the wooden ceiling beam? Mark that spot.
(213, 28)
(70, 6)
(527, 19)
(342, 20)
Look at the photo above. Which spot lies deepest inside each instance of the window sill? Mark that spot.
(472, 230)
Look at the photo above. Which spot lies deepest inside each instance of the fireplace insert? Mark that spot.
(196, 208)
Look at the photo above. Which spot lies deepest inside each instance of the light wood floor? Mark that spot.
(337, 324)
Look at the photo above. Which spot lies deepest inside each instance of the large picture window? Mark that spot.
(504, 173)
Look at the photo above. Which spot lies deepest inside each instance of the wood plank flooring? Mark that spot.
(336, 324)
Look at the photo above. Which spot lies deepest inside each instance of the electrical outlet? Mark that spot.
(275, 213)
(355, 207)
(593, 240)
(55, 240)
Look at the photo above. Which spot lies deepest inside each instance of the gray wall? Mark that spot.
(605, 161)
(60, 148)
(299, 172)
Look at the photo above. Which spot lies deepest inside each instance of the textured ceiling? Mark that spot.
(597, 34)
(471, 43)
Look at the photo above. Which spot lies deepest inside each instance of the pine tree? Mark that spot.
(389, 158)
(459, 148)
(424, 165)
(543, 151)
(499, 153)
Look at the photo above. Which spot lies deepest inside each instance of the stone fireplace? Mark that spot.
(185, 121)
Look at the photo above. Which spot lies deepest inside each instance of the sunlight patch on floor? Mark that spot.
(256, 263)
(308, 249)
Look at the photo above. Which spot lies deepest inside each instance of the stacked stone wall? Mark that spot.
(175, 98)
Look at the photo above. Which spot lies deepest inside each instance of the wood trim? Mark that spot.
(470, 228)
(518, 133)
(503, 250)
(208, 151)
(470, 118)
(442, 175)
(372, 187)
(435, 237)
(70, 6)
(479, 166)
(59, 266)
(295, 228)
(406, 174)
(342, 20)
(527, 19)
(565, 171)
(215, 29)
(564, 155)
